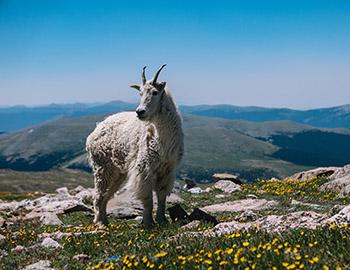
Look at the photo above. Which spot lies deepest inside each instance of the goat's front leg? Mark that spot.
(164, 187)
(144, 194)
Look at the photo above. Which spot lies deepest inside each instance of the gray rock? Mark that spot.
(246, 216)
(63, 190)
(3, 253)
(227, 186)
(251, 196)
(220, 196)
(50, 243)
(336, 209)
(2, 238)
(174, 199)
(312, 205)
(314, 173)
(80, 257)
(342, 217)
(340, 172)
(18, 249)
(226, 176)
(124, 212)
(40, 265)
(227, 228)
(76, 190)
(302, 219)
(341, 185)
(192, 225)
(86, 196)
(271, 223)
(49, 218)
(240, 205)
(196, 190)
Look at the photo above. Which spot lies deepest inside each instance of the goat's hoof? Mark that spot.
(101, 223)
(148, 225)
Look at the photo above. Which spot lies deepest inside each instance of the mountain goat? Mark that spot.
(139, 149)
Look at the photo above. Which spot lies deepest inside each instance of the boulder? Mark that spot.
(271, 223)
(240, 205)
(340, 185)
(49, 218)
(302, 219)
(247, 216)
(314, 173)
(336, 209)
(227, 186)
(340, 172)
(124, 212)
(76, 190)
(86, 196)
(40, 265)
(226, 176)
(50, 243)
(342, 217)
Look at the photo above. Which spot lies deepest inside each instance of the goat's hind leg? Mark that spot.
(107, 182)
(161, 198)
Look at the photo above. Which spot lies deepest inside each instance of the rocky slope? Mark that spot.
(299, 217)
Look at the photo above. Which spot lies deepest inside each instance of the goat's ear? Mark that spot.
(136, 86)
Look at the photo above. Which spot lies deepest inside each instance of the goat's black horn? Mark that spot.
(157, 74)
(143, 75)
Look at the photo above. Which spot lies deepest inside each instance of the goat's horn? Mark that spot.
(143, 75)
(157, 74)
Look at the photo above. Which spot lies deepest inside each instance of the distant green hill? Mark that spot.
(334, 117)
(254, 150)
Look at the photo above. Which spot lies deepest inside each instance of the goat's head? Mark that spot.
(151, 92)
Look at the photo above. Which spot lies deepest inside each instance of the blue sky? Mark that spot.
(266, 53)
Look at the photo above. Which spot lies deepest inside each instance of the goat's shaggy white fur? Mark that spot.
(143, 154)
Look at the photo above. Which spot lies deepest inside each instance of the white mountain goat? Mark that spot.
(141, 149)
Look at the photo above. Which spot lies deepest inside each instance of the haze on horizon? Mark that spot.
(291, 54)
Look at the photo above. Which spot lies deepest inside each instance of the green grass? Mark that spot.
(126, 245)
(48, 181)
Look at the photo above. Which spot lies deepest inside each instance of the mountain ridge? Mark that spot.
(19, 117)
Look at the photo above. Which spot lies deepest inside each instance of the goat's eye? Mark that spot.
(154, 93)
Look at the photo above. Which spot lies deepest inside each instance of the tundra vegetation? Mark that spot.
(125, 244)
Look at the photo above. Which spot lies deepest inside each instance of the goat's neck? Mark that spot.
(168, 121)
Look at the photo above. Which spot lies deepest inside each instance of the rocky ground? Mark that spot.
(300, 222)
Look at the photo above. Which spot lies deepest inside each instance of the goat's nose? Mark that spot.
(140, 112)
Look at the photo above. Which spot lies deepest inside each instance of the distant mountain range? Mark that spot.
(252, 149)
(18, 117)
